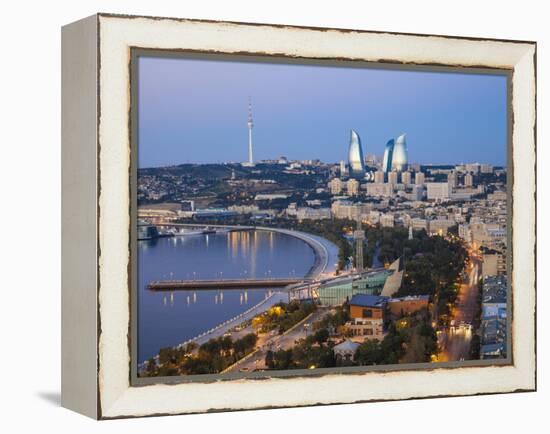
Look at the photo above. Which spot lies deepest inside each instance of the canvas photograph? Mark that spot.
(309, 216)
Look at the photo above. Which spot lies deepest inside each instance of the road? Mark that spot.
(286, 341)
(455, 340)
(230, 324)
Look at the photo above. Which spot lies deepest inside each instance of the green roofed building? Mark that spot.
(339, 290)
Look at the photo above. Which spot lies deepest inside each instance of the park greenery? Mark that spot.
(282, 316)
(212, 357)
(433, 264)
(217, 354)
(409, 339)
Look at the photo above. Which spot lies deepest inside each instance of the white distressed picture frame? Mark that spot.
(96, 217)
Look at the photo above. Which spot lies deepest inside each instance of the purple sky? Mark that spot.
(195, 111)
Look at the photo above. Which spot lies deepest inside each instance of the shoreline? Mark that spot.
(325, 253)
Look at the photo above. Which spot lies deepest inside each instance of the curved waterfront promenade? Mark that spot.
(326, 258)
(326, 252)
(250, 313)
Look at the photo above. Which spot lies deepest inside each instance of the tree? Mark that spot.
(269, 359)
(369, 353)
(321, 336)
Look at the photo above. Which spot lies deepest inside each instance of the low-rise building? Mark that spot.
(438, 191)
(380, 189)
(336, 185)
(439, 226)
(347, 210)
(406, 178)
(494, 263)
(418, 224)
(352, 187)
(345, 350)
(494, 326)
(401, 306)
(342, 289)
(306, 213)
(367, 313)
(387, 220)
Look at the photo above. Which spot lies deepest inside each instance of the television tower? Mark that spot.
(359, 235)
(250, 126)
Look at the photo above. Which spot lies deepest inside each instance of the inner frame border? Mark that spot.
(253, 57)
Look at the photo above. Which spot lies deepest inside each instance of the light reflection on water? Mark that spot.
(169, 318)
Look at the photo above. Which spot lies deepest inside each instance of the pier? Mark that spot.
(171, 285)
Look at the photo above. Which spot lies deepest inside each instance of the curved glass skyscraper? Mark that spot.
(355, 156)
(388, 155)
(400, 157)
(395, 155)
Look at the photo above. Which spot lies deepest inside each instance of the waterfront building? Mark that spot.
(355, 156)
(338, 290)
(438, 191)
(147, 232)
(406, 178)
(419, 178)
(213, 213)
(151, 211)
(352, 187)
(335, 185)
(394, 280)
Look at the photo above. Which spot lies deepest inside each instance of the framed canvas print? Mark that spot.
(262, 216)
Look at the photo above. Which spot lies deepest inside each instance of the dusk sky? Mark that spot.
(195, 111)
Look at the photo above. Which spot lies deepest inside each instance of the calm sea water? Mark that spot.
(169, 318)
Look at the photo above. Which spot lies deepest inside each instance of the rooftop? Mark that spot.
(365, 300)
(409, 298)
(347, 345)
